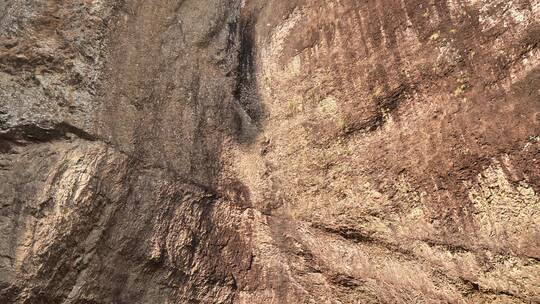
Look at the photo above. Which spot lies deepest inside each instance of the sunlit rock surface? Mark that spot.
(249, 151)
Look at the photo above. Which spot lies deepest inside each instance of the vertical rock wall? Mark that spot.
(273, 151)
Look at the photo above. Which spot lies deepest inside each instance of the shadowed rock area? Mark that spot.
(249, 151)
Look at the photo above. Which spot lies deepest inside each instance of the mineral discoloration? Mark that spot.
(252, 151)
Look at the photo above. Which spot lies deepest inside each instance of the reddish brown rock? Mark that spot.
(273, 151)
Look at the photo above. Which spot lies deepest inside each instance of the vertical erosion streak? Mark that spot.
(246, 91)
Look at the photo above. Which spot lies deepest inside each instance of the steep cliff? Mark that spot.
(249, 151)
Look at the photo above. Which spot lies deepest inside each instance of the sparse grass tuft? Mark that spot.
(435, 36)
(462, 87)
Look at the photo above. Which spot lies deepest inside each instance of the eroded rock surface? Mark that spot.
(249, 151)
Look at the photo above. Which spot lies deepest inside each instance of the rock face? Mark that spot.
(249, 151)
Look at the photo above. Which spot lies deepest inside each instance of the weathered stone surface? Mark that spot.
(249, 151)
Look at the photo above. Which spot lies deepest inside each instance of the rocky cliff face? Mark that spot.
(246, 151)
